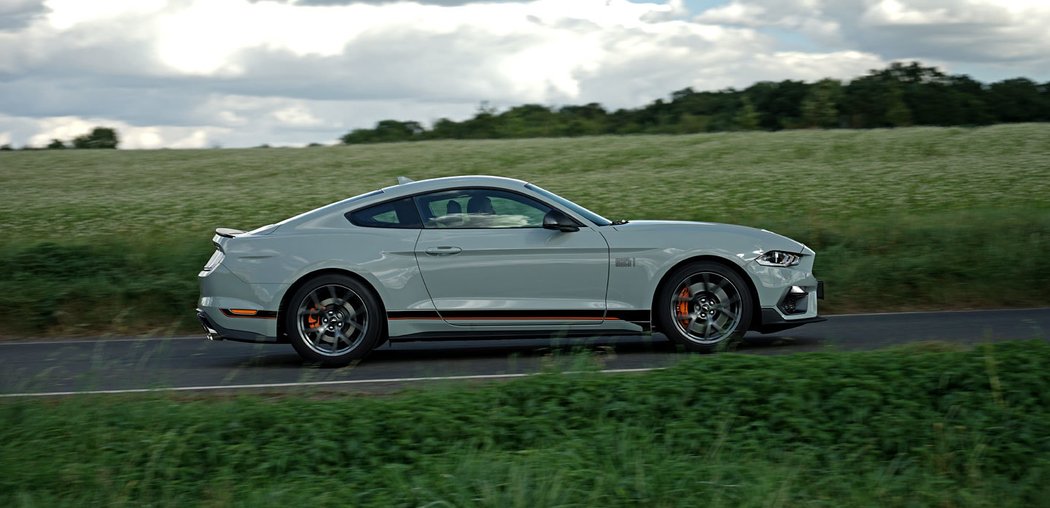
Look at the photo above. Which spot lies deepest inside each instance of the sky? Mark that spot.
(238, 73)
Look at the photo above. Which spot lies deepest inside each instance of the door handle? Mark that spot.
(444, 250)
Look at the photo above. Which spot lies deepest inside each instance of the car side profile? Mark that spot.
(492, 257)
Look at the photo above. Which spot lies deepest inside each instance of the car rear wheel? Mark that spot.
(333, 320)
(704, 307)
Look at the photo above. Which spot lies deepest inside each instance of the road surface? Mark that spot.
(192, 363)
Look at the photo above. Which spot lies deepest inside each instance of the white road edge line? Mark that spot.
(314, 383)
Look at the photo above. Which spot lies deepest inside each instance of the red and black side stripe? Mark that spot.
(640, 317)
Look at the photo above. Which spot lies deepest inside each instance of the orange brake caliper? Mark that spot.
(312, 320)
(683, 306)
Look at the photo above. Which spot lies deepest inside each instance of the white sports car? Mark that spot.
(490, 257)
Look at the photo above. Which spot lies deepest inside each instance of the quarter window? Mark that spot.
(400, 214)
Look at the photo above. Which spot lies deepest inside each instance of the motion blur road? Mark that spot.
(195, 364)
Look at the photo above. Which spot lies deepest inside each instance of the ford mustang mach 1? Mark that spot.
(490, 257)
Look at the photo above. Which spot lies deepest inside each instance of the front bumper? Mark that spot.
(772, 322)
(775, 319)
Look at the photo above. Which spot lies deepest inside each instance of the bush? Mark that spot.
(99, 137)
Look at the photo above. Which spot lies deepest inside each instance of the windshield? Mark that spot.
(589, 215)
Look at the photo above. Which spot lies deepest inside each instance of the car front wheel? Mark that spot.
(704, 307)
(333, 320)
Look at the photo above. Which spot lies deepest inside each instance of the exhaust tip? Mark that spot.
(210, 332)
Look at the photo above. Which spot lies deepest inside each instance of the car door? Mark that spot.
(486, 260)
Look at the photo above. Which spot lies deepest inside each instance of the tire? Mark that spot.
(333, 320)
(704, 307)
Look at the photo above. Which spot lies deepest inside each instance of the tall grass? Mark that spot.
(906, 427)
(933, 217)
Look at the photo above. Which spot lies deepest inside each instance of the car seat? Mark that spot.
(480, 205)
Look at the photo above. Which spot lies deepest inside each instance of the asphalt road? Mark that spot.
(192, 363)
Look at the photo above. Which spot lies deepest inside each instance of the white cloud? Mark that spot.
(65, 14)
(297, 116)
(735, 13)
(63, 128)
(131, 136)
(894, 12)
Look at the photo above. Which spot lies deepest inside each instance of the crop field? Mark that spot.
(924, 425)
(109, 242)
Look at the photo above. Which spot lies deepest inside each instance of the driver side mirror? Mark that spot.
(559, 221)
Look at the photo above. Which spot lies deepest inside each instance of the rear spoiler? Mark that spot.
(228, 232)
(222, 235)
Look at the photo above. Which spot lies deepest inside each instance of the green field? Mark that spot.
(97, 241)
(925, 425)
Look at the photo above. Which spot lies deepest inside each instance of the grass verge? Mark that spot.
(903, 427)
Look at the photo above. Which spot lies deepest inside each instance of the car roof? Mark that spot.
(404, 189)
(450, 182)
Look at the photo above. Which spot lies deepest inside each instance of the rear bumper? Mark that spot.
(225, 298)
(215, 331)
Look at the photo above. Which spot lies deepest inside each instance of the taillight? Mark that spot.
(214, 261)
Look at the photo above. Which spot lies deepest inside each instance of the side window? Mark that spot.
(480, 208)
(401, 214)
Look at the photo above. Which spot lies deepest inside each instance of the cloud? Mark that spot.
(242, 72)
(447, 3)
(16, 14)
(131, 136)
(947, 30)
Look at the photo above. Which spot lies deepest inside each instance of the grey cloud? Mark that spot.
(972, 33)
(956, 30)
(958, 42)
(164, 102)
(17, 14)
(81, 54)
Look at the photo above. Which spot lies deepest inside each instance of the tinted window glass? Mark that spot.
(480, 208)
(392, 214)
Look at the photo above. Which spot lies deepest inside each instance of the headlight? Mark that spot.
(778, 258)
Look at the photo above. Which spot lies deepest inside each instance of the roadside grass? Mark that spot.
(915, 426)
(901, 218)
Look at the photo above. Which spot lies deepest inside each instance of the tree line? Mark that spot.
(900, 95)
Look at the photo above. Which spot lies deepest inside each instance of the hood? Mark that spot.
(767, 239)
